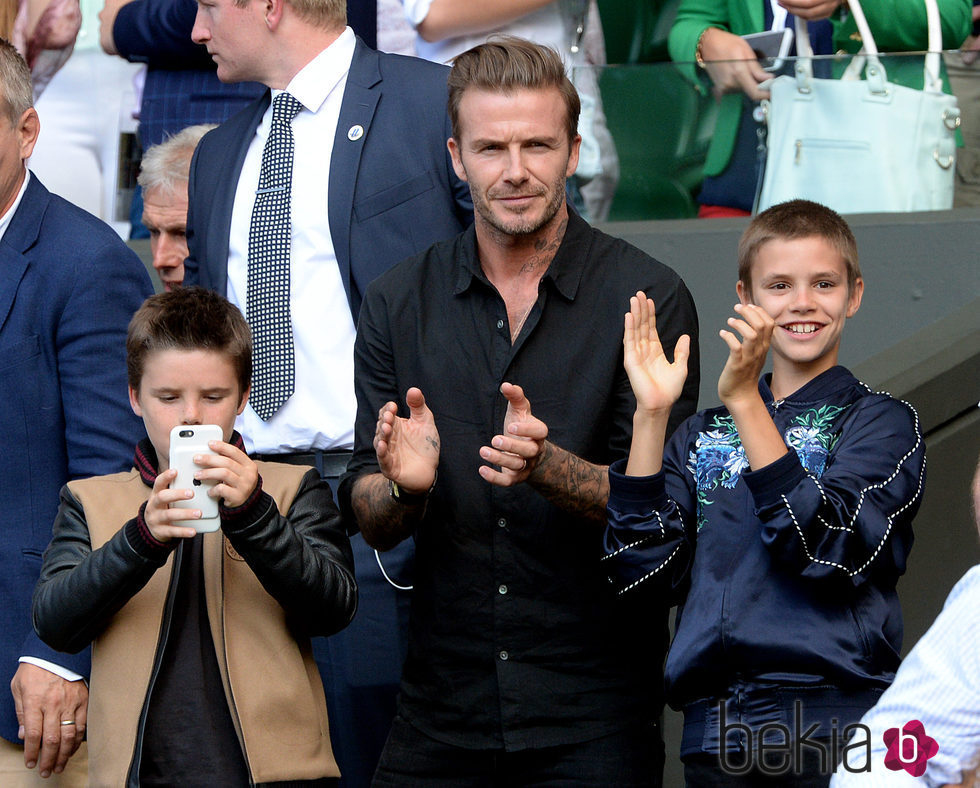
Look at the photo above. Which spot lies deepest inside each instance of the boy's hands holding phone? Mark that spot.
(160, 518)
(233, 472)
(204, 470)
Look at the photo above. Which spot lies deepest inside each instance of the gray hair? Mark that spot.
(167, 165)
(15, 82)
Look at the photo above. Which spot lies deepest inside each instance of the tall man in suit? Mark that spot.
(383, 189)
(68, 287)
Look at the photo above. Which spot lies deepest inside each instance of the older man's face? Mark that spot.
(165, 216)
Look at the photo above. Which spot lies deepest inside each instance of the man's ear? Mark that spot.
(28, 128)
(573, 150)
(273, 13)
(744, 292)
(454, 152)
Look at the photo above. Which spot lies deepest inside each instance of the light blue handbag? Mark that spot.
(861, 145)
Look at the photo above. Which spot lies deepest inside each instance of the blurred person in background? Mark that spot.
(84, 107)
(572, 28)
(163, 178)
(937, 685)
(709, 33)
(964, 79)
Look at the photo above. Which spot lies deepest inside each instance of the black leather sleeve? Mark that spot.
(304, 560)
(80, 589)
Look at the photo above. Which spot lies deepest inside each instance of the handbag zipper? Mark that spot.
(817, 143)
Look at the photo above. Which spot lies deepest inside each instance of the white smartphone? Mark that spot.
(186, 440)
(771, 47)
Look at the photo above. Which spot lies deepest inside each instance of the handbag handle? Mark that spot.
(869, 50)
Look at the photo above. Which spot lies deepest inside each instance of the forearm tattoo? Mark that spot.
(383, 522)
(579, 487)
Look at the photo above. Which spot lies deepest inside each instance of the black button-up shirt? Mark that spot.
(516, 638)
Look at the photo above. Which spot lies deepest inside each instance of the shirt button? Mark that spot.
(500, 324)
(504, 656)
(502, 589)
(502, 523)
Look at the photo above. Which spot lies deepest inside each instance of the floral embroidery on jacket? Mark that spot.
(810, 436)
(718, 457)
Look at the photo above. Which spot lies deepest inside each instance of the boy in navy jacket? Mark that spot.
(780, 521)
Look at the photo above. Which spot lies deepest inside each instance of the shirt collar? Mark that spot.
(318, 78)
(565, 271)
(9, 215)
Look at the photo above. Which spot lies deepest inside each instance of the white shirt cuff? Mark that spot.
(67, 675)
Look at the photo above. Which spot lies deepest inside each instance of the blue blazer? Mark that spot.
(392, 192)
(68, 287)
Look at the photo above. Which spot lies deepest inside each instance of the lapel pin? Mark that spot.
(354, 133)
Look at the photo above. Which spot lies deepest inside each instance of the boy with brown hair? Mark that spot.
(202, 671)
(780, 521)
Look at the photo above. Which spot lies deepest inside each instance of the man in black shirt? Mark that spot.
(522, 667)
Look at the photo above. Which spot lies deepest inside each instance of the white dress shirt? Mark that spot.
(6, 218)
(320, 413)
(938, 684)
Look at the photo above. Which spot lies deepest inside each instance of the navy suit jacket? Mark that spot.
(392, 191)
(68, 287)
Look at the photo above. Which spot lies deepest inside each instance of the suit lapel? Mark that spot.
(20, 236)
(361, 97)
(13, 264)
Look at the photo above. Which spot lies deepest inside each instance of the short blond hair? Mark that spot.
(327, 14)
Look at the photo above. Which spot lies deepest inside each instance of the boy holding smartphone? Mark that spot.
(780, 521)
(214, 625)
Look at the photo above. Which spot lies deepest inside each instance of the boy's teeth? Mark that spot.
(803, 328)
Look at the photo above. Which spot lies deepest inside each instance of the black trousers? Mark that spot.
(709, 771)
(631, 758)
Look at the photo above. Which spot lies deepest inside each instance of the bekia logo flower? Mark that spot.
(909, 747)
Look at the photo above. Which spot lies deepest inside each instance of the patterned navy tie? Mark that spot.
(267, 293)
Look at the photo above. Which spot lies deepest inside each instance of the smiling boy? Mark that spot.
(780, 521)
(214, 625)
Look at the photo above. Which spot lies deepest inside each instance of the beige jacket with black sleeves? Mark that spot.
(269, 585)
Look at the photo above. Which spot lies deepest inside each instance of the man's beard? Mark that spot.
(519, 225)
